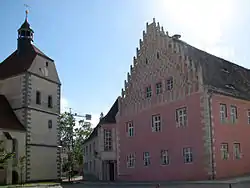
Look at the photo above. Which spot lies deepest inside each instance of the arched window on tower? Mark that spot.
(28, 33)
(38, 97)
(50, 124)
(50, 103)
(22, 33)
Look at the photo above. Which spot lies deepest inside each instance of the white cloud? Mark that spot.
(64, 104)
(203, 19)
(95, 119)
(203, 23)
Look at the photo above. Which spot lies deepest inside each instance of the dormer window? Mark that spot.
(170, 84)
(229, 86)
(225, 70)
(148, 91)
(158, 55)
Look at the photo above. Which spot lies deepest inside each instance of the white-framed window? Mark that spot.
(107, 140)
(187, 154)
(224, 151)
(237, 150)
(170, 83)
(131, 160)
(223, 113)
(158, 88)
(146, 158)
(156, 123)
(86, 166)
(94, 166)
(93, 147)
(87, 150)
(248, 116)
(90, 166)
(164, 157)
(130, 129)
(148, 91)
(181, 117)
(233, 114)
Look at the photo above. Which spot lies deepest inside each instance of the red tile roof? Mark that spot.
(8, 119)
(18, 63)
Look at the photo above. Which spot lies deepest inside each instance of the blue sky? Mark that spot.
(93, 41)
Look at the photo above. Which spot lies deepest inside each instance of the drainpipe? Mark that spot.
(211, 133)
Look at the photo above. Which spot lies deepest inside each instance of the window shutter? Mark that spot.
(126, 127)
(226, 110)
(176, 116)
(127, 161)
(236, 112)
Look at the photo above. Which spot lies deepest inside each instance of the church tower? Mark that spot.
(25, 35)
(32, 86)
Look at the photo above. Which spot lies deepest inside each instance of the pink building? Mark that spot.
(184, 114)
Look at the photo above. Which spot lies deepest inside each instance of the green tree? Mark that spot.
(20, 166)
(66, 132)
(72, 137)
(4, 156)
(81, 133)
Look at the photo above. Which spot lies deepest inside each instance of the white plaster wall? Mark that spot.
(19, 115)
(46, 88)
(38, 65)
(91, 155)
(43, 163)
(40, 132)
(12, 89)
(20, 137)
(1, 85)
(21, 145)
(44, 153)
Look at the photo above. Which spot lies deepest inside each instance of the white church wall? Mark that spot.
(40, 132)
(43, 165)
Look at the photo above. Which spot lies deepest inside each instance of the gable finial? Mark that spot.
(26, 16)
(26, 12)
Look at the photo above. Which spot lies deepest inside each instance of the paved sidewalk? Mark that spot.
(75, 178)
(240, 182)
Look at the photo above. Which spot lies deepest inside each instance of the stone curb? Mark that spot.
(34, 185)
(164, 183)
